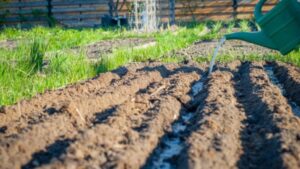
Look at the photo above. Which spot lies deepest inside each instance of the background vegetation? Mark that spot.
(29, 69)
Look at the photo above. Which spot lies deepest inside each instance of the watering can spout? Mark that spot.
(258, 38)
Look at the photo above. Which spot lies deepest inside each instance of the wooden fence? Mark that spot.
(88, 13)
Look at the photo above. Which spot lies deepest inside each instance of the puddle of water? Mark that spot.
(275, 81)
(295, 108)
(173, 147)
(197, 88)
(178, 127)
(187, 117)
(212, 62)
(181, 126)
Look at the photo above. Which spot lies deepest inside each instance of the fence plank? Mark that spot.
(89, 12)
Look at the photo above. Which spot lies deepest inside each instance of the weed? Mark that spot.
(37, 54)
(216, 27)
(244, 26)
(230, 27)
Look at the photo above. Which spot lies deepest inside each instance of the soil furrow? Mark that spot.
(271, 134)
(289, 76)
(153, 115)
(179, 88)
(172, 143)
(214, 133)
(18, 148)
(80, 96)
(39, 105)
(127, 138)
(44, 105)
(270, 71)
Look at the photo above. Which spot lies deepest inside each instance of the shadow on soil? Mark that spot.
(53, 151)
(164, 72)
(104, 115)
(59, 147)
(260, 150)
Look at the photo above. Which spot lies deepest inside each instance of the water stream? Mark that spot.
(275, 81)
(212, 62)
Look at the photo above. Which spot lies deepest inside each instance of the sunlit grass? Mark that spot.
(165, 42)
(23, 75)
(244, 25)
(60, 38)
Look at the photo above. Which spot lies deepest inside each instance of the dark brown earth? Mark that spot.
(202, 49)
(289, 77)
(121, 119)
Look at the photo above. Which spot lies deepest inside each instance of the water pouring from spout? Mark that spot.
(212, 62)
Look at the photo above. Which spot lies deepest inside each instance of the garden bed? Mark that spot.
(151, 115)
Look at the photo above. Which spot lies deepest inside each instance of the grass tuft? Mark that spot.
(37, 54)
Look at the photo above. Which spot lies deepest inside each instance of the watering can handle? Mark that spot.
(258, 9)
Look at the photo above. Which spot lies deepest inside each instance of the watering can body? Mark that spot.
(280, 27)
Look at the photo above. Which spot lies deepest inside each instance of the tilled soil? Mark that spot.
(154, 115)
(99, 49)
(202, 49)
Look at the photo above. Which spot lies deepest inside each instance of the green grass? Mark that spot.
(165, 42)
(244, 25)
(292, 58)
(18, 80)
(28, 70)
(59, 38)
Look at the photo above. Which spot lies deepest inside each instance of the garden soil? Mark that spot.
(202, 49)
(99, 49)
(237, 117)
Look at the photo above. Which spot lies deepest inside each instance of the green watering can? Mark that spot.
(280, 27)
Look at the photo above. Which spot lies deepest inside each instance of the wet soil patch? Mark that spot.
(289, 76)
(167, 152)
(270, 71)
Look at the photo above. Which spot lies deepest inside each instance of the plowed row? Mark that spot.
(156, 116)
